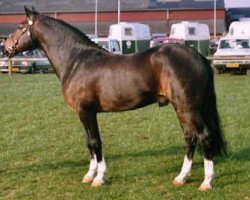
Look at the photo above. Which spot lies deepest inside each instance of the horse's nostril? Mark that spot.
(9, 50)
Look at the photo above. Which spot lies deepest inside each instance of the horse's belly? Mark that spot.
(116, 106)
(125, 103)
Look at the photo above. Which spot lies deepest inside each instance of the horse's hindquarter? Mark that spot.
(187, 75)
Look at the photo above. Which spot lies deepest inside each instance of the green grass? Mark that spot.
(43, 153)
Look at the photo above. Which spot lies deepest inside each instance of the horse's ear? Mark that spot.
(34, 10)
(27, 11)
(31, 14)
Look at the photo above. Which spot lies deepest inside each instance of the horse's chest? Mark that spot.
(76, 97)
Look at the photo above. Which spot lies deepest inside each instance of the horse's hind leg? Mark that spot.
(97, 162)
(192, 124)
(209, 173)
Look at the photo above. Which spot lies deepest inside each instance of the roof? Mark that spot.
(185, 4)
(237, 13)
(16, 6)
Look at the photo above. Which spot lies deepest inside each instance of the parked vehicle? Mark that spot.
(194, 34)
(108, 44)
(158, 35)
(233, 51)
(213, 44)
(27, 62)
(1, 50)
(165, 40)
(132, 37)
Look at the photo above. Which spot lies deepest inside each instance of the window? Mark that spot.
(205, 0)
(191, 31)
(224, 44)
(128, 31)
(1, 50)
(104, 44)
(234, 44)
(114, 45)
(167, 1)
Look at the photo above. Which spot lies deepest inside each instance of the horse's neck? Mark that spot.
(58, 57)
(61, 53)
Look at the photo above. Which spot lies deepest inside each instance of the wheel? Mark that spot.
(41, 71)
(33, 68)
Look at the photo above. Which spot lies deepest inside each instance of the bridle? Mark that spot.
(15, 41)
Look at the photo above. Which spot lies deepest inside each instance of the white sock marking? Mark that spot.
(185, 170)
(92, 167)
(209, 172)
(101, 169)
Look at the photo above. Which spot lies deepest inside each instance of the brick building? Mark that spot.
(158, 14)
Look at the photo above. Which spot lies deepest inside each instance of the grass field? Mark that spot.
(43, 153)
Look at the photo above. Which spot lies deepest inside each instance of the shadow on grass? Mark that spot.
(236, 173)
(177, 151)
(173, 150)
(58, 165)
(243, 155)
(233, 176)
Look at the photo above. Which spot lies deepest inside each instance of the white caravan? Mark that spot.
(132, 37)
(194, 34)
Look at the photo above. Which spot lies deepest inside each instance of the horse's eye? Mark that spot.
(20, 26)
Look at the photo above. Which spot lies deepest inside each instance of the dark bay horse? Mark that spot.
(94, 80)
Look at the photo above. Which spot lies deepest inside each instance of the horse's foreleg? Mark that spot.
(92, 170)
(97, 162)
(101, 169)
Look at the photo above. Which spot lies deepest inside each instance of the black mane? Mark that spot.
(77, 36)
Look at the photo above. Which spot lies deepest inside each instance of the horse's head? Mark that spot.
(21, 40)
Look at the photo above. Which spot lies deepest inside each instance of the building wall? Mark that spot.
(158, 20)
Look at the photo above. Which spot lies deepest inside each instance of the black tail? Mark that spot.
(212, 142)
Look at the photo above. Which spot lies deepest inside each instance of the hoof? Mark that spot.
(97, 183)
(205, 187)
(178, 182)
(87, 179)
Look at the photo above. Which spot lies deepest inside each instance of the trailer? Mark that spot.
(239, 29)
(194, 34)
(132, 37)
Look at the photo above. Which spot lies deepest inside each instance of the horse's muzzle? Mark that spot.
(10, 52)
